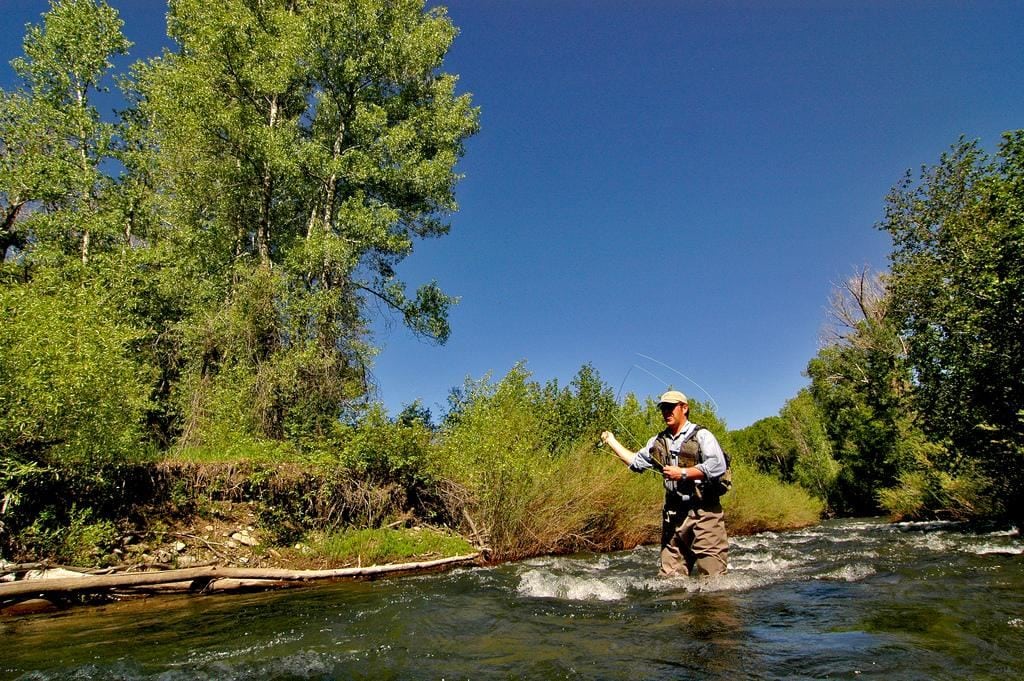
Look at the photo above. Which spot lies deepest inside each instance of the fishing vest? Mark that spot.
(702, 494)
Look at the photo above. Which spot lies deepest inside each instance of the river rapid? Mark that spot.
(848, 599)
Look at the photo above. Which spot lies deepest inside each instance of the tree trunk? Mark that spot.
(266, 205)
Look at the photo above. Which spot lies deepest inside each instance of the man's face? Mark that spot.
(674, 415)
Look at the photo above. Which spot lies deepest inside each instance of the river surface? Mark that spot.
(848, 599)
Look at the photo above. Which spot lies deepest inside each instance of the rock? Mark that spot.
(163, 557)
(31, 606)
(209, 528)
(244, 538)
(180, 546)
(186, 561)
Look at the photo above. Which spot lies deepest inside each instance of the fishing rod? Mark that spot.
(680, 373)
(660, 380)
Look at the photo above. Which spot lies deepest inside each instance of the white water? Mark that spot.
(846, 599)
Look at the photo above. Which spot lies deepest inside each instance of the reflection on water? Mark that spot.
(844, 599)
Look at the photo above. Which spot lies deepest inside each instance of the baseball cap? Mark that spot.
(673, 397)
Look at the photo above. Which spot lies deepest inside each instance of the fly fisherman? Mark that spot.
(693, 538)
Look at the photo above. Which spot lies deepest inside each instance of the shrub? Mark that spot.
(387, 450)
(761, 502)
(78, 539)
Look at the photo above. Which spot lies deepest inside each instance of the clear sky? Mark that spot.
(680, 181)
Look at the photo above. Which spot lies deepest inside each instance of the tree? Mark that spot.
(74, 387)
(792, 446)
(815, 469)
(52, 185)
(860, 383)
(958, 292)
(577, 412)
(300, 148)
(767, 445)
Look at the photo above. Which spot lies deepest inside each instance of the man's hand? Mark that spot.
(674, 473)
(626, 456)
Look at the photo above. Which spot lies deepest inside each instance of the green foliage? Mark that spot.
(301, 148)
(54, 143)
(578, 412)
(636, 422)
(929, 489)
(792, 446)
(274, 169)
(958, 287)
(79, 539)
(492, 448)
(759, 502)
(767, 445)
(18, 480)
(72, 395)
(380, 546)
(861, 385)
(384, 450)
(815, 468)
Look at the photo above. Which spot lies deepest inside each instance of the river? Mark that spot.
(847, 599)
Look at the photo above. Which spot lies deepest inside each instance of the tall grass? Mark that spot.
(761, 502)
(520, 498)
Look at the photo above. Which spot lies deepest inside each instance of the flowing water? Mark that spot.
(842, 600)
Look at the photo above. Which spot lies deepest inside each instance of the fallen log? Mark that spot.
(221, 585)
(203, 576)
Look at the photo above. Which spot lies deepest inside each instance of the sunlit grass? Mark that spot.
(386, 545)
(760, 502)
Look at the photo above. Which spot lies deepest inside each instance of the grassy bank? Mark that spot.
(241, 513)
(513, 469)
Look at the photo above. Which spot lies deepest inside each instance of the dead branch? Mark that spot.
(197, 576)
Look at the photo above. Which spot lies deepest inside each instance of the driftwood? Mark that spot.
(201, 578)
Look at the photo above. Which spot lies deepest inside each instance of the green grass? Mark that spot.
(380, 546)
(243, 449)
(759, 502)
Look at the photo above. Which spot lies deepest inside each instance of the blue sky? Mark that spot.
(679, 180)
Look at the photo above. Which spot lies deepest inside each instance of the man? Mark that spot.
(693, 537)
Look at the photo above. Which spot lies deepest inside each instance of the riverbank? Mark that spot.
(316, 523)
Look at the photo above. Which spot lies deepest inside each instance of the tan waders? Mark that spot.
(693, 542)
